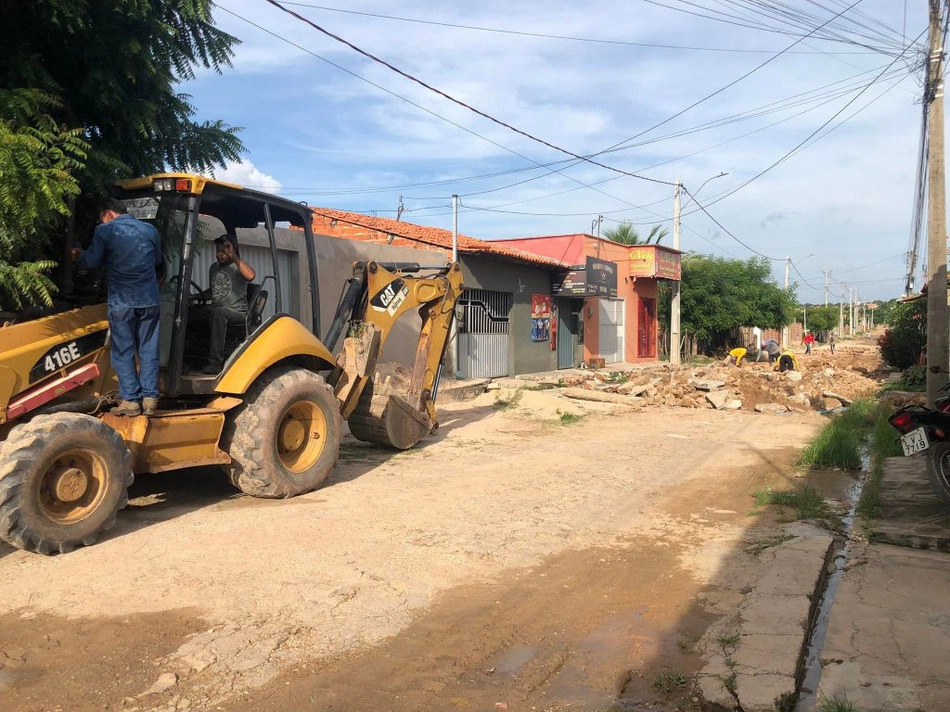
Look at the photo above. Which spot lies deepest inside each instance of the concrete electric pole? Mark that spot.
(827, 274)
(785, 332)
(675, 339)
(938, 339)
(841, 314)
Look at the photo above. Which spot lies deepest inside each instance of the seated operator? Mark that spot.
(229, 277)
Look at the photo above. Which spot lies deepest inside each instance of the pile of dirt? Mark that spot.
(825, 382)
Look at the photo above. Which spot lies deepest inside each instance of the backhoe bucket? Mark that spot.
(385, 417)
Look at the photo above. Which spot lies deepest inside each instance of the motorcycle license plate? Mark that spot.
(915, 441)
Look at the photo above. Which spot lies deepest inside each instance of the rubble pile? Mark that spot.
(825, 382)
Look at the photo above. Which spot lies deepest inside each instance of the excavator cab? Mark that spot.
(272, 417)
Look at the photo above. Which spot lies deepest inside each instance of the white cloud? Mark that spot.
(247, 175)
(341, 142)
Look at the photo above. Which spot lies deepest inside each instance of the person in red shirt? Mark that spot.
(808, 340)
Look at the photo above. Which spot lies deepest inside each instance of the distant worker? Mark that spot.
(831, 342)
(808, 339)
(787, 362)
(772, 349)
(130, 251)
(738, 354)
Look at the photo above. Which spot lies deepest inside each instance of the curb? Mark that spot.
(755, 654)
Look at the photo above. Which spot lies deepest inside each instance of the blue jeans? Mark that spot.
(135, 331)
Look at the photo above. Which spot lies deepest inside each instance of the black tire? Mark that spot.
(285, 438)
(63, 478)
(938, 470)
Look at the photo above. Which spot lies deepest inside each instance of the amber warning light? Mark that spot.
(181, 185)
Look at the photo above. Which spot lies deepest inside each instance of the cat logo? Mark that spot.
(391, 297)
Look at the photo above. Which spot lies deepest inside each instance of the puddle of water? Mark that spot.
(808, 691)
(515, 659)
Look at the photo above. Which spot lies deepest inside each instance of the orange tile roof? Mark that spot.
(434, 236)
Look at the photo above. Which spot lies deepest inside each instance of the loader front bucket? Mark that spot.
(385, 417)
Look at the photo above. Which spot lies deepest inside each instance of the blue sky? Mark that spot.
(316, 132)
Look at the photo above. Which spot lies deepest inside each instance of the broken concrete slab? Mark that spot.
(830, 394)
(733, 404)
(753, 656)
(717, 399)
(602, 397)
(770, 408)
(801, 399)
(793, 375)
(705, 384)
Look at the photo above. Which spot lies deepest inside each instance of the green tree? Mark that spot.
(822, 318)
(718, 295)
(37, 161)
(906, 336)
(626, 234)
(104, 73)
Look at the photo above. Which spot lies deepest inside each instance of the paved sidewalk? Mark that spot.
(888, 643)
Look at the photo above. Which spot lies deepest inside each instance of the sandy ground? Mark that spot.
(512, 561)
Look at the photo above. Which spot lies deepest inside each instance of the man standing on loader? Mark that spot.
(130, 251)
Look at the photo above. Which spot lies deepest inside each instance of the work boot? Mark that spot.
(129, 408)
(149, 405)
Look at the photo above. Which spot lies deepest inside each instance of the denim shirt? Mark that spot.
(130, 250)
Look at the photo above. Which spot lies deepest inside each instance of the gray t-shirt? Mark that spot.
(228, 288)
(772, 347)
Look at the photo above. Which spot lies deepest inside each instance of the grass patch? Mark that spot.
(840, 442)
(806, 502)
(686, 643)
(569, 418)
(670, 681)
(503, 402)
(836, 704)
(729, 641)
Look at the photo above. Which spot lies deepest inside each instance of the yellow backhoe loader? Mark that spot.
(272, 417)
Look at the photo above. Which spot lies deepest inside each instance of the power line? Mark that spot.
(814, 133)
(524, 33)
(459, 102)
(804, 281)
(725, 229)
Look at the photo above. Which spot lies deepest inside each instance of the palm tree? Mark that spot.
(626, 234)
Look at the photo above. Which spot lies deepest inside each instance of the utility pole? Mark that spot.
(851, 314)
(785, 332)
(827, 274)
(938, 339)
(675, 304)
(600, 219)
(455, 257)
(841, 314)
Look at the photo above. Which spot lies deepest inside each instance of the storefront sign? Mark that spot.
(655, 261)
(601, 277)
(597, 279)
(540, 317)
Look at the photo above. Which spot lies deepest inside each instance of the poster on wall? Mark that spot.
(540, 317)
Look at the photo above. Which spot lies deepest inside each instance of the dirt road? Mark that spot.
(514, 561)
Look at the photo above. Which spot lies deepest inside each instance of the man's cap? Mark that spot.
(221, 239)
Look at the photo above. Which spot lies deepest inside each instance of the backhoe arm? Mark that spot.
(376, 298)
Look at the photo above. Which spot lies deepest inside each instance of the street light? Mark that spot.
(675, 305)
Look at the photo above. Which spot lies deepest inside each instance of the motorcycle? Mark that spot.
(927, 430)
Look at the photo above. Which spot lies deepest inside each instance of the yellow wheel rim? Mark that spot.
(301, 436)
(73, 486)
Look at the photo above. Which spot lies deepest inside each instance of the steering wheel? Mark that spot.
(195, 292)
